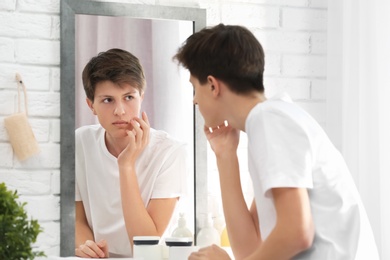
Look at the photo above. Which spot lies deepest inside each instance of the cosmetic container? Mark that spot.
(208, 235)
(182, 230)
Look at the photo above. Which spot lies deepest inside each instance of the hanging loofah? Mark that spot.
(19, 130)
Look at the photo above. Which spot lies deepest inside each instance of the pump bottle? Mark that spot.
(182, 230)
(208, 235)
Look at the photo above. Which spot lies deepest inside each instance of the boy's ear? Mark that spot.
(214, 84)
(90, 104)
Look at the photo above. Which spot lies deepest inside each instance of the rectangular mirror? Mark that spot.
(153, 34)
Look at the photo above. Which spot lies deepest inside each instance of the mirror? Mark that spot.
(76, 20)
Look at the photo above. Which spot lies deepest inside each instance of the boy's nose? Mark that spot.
(119, 110)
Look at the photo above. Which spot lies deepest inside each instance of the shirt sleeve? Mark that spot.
(171, 181)
(283, 154)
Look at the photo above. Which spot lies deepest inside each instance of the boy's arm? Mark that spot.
(141, 221)
(83, 232)
(293, 233)
(242, 223)
(85, 244)
(294, 230)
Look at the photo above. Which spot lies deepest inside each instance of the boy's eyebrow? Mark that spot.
(104, 95)
(127, 93)
(130, 92)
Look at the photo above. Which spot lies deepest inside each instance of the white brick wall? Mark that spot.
(293, 33)
(29, 45)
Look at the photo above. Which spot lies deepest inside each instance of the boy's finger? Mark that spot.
(93, 246)
(138, 132)
(104, 247)
(144, 124)
(102, 243)
(145, 117)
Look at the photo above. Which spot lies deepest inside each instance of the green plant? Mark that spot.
(17, 233)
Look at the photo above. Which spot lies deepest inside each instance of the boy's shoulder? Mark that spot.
(161, 140)
(88, 128)
(162, 137)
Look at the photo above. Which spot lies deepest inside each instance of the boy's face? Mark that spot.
(115, 105)
(205, 99)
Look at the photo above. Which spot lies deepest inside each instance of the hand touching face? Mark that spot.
(137, 141)
(223, 138)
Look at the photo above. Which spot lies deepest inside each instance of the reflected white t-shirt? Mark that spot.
(288, 148)
(161, 171)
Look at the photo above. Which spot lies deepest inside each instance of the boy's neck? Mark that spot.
(115, 145)
(243, 104)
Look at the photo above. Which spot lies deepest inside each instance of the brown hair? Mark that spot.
(228, 52)
(116, 65)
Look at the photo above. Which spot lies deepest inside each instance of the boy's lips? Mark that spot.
(120, 123)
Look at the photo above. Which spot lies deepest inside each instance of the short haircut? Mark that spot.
(230, 53)
(115, 65)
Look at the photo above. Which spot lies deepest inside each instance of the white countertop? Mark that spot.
(78, 258)
(227, 249)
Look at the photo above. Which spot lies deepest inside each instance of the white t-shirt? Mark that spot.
(161, 171)
(288, 148)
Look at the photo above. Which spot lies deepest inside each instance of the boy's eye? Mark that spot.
(129, 97)
(107, 100)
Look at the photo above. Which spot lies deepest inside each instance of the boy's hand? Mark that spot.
(139, 139)
(90, 249)
(222, 138)
(210, 252)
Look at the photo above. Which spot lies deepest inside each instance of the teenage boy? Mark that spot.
(306, 205)
(128, 175)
